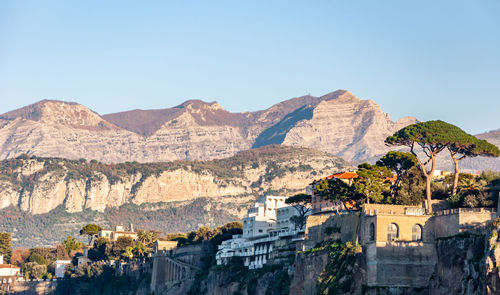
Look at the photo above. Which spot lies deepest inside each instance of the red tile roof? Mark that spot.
(342, 175)
(345, 175)
(391, 179)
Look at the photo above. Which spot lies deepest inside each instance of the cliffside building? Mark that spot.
(266, 222)
(119, 231)
(164, 246)
(321, 205)
(398, 242)
(60, 268)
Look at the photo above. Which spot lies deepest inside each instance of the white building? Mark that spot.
(265, 222)
(261, 219)
(8, 275)
(119, 231)
(60, 267)
(284, 221)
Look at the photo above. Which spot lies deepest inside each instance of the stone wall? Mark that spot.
(399, 263)
(406, 262)
(454, 221)
(317, 225)
(174, 271)
(35, 287)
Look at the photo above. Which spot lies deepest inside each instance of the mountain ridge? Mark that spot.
(338, 122)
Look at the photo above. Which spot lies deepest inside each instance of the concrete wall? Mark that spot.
(400, 263)
(453, 222)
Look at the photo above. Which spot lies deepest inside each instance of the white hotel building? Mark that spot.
(266, 222)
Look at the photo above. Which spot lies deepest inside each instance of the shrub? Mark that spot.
(38, 271)
(34, 257)
(455, 201)
(470, 201)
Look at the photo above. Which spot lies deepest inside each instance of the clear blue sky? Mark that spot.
(429, 59)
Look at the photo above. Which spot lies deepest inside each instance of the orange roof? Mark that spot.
(391, 179)
(342, 175)
(345, 175)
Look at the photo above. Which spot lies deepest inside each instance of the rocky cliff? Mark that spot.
(338, 123)
(39, 185)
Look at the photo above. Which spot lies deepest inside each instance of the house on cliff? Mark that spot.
(398, 242)
(267, 222)
(320, 204)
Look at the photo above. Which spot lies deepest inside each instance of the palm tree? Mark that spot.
(146, 237)
(139, 249)
(470, 186)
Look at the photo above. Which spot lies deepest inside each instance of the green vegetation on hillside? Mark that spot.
(6, 245)
(337, 276)
(46, 229)
(232, 167)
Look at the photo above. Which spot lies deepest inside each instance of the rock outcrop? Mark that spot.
(337, 123)
(39, 185)
(340, 123)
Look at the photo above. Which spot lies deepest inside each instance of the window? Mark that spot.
(260, 230)
(416, 232)
(392, 232)
(372, 232)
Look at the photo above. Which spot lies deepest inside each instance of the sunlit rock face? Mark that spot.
(39, 185)
(338, 123)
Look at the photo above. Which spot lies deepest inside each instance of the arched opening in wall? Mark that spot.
(372, 232)
(392, 232)
(416, 232)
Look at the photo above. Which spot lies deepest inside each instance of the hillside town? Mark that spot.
(376, 218)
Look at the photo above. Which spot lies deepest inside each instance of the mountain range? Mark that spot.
(338, 123)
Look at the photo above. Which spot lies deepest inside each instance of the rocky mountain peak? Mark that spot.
(195, 104)
(337, 122)
(340, 96)
(60, 113)
(35, 111)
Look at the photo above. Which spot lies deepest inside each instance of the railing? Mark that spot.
(464, 210)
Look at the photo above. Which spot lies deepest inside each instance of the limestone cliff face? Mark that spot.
(39, 185)
(467, 265)
(341, 124)
(337, 122)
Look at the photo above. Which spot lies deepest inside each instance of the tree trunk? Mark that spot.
(456, 175)
(395, 186)
(428, 180)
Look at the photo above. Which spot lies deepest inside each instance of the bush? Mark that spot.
(439, 191)
(470, 201)
(47, 276)
(455, 201)
(38, 271)
(34, 257)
